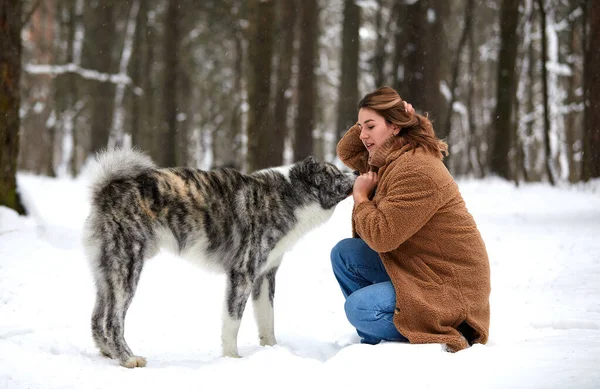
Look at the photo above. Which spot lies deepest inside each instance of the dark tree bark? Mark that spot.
(379, 56)
(169, 154)
(307, 92)
(348, 91)
(502, 124)
(591, 142)
(573, 126)
(140, 79)
(423, 58)
(547, 152)
(260, 54)
(468, 17)
(287, 21)
(99, 56)
(10, 100)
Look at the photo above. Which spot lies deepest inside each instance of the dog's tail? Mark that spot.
(118, 164)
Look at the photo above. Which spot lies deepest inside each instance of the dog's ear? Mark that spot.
(310, 160)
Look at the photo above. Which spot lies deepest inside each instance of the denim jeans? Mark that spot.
(369, 293)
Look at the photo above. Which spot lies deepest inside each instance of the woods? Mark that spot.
(512, 85)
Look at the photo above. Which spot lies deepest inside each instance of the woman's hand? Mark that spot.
(363, 186)
(409, 108)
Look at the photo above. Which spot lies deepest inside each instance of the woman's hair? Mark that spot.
(415, 129)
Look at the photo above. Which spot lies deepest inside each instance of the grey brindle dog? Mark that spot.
(242, 224)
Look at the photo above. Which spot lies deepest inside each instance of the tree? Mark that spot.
(168, 156)
(591, 155)
(502, 124)
(348, 90)
(286, 28)
(261, 153)
(548, 155)
(307, 89)
(98, 54)
(423, 53)
(10, 100)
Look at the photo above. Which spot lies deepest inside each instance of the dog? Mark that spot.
(240, 224)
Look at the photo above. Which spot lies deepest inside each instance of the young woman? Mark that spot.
(416, 269)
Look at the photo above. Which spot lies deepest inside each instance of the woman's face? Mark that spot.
(374, 130)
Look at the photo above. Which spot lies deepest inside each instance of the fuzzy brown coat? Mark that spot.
(428, 241)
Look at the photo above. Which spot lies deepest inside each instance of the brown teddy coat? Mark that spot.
(428, 241)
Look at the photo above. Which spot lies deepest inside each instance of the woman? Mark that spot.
(416, 268)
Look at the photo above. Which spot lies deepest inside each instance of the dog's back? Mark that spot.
(239, 223)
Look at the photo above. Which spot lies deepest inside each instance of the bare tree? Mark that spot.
(348, 91)
(424, 50)
(468, 17)
(10, 76)
(547, 153)
(260, 53)
(504, 132)
(170, 155)
(98, 54)
(591, 155)
(307, 89)
(283, 92)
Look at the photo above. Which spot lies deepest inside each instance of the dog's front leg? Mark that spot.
(239, 286)
(263, 294)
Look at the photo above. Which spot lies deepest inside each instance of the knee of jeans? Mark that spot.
(337, 253)
(354, 308)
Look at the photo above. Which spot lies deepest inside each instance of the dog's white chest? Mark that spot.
(308, 218)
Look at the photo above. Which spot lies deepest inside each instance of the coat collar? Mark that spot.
(389, 150)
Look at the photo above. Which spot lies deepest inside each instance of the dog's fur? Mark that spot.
(239, 223)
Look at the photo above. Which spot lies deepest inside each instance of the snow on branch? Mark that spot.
(73, 68)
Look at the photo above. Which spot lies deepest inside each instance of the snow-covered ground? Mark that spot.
(544, 247)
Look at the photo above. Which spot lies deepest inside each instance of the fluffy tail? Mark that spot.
(118, 164)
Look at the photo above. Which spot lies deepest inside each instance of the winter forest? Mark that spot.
(510, 84)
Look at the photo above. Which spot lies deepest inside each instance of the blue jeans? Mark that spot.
(369, 293)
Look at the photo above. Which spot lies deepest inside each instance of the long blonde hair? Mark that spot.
(415, 129)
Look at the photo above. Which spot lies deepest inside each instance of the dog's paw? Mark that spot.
(106, 353)
(267, 341)
(231, 354)
(134, 361)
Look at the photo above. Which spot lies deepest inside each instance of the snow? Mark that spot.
(545, 329)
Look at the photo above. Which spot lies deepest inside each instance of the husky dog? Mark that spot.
(242, 224)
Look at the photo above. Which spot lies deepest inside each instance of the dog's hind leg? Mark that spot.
(263, 294)
(122, 284)
(99, 322)
(239, 286)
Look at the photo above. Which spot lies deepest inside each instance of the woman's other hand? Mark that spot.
(363, 186)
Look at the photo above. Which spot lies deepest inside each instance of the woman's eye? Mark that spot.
(370, 128)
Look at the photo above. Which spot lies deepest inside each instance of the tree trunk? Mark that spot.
(140, 78)
(10, 100)
(307, 93)
(261, 153)
(468, 16)
(168, 155)
(100, 57)
(379, 56)
(287, 21)
(424, 56)
(502, 124)
(348, 92)
(573, 125)
(591, 142)
(547, 153)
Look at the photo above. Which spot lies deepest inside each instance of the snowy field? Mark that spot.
(544, 247)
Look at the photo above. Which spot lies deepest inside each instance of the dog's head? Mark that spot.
(323, 180)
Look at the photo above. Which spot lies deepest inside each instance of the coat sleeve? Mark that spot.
(411, 200)
(352, 151)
